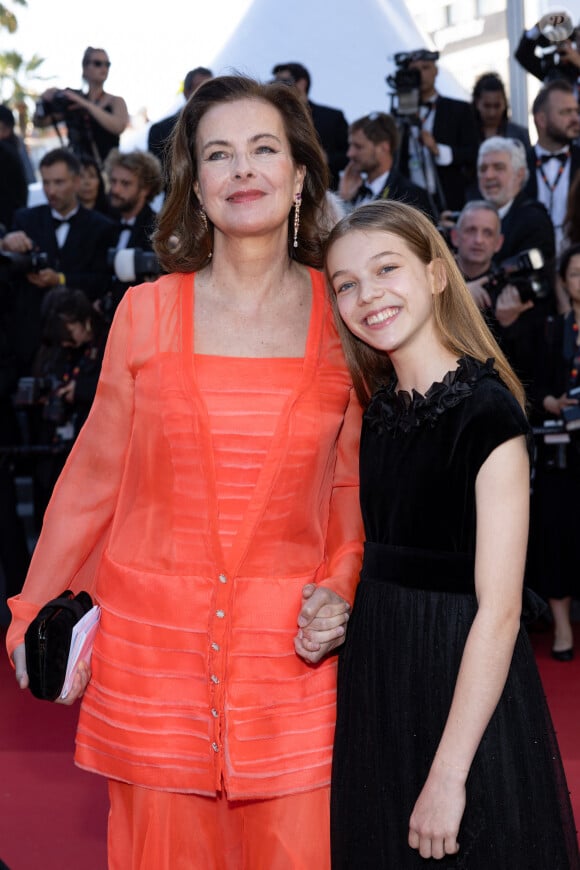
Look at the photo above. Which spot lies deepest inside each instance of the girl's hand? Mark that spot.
(436, 817)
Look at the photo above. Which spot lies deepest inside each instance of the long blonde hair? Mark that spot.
(458, 320)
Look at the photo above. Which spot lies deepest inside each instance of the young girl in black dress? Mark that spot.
(445, 753)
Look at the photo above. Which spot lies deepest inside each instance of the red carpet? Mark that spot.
(54, 816)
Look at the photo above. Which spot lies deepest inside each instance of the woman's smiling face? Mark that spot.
(247, 178)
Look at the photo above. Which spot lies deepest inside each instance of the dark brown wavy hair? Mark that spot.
(458, 321)
(181, 241)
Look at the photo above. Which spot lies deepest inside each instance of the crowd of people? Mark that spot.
(414, 274)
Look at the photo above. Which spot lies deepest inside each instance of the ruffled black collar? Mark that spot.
(393, 411)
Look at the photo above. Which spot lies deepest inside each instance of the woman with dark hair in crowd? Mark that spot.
(490, 106)
(213, 494)
(95, 119)
(553, 540)
(444, 745)
(68, 363)
(92, 192)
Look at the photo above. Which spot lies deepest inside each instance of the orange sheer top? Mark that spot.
(195, 681)
(244, 398)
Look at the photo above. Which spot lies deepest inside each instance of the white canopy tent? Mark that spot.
(347, 46)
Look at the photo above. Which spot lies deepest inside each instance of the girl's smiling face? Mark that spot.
(384, 292)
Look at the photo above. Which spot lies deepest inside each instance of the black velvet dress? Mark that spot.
(414, 607)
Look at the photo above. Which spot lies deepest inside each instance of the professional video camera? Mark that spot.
(406, 83)
(524, 271)
(133, 264)
(13, 264)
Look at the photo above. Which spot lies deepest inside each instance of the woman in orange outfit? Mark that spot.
(211, 506)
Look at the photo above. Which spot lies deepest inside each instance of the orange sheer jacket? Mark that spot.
(195, 682)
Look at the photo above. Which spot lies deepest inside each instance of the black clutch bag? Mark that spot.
(47, 642)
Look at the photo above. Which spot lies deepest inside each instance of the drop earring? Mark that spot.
(297, 204)
(203, 216)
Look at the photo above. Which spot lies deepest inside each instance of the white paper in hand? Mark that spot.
(81, 645)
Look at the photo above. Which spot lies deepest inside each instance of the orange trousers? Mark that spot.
(156, 830)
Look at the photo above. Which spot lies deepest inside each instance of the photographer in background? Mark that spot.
(439, 143)
(95, 119)
(134, 180)
(525, 224)
(549, 50)
(476, 238)
(66, 371)
(74, 241)
(554, 516)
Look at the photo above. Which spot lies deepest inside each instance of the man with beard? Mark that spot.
(554, 159)
(370, 173)
(134, 180)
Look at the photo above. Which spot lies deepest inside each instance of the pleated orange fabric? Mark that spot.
(155, 830)
(195, 681)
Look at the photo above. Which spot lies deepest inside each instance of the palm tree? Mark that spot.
(8, 19)
(14, 68)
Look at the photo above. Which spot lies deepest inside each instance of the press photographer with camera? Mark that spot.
(438, 134)
(95, 119)
(51, 246)
(525, 225)
(549, 49)
(554, 516)
(58, 397)
(134, 180)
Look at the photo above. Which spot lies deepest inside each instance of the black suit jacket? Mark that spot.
(332, 130)
(531, 188)
(13, 186)
(158, 139)
(142, 229)
(526, 225)
(82, 259)
(401, 189)
(140, 237)
(453, 125)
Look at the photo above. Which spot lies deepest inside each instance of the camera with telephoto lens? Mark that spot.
(133, 264)
(524, 271)
(406, 83)
(13, 264)
(43, 391)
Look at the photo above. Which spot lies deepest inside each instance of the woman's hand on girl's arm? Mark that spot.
(321, 622)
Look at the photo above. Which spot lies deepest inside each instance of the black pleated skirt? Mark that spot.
(397, 674)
